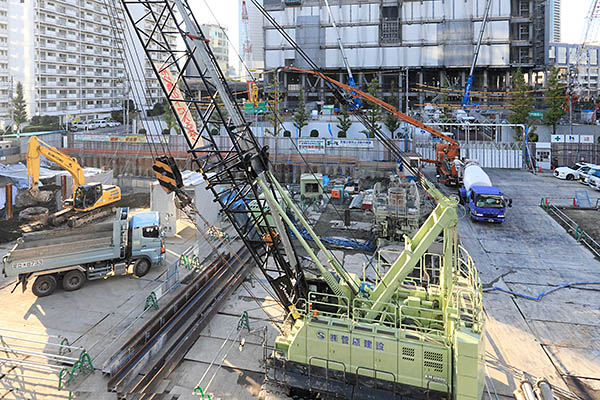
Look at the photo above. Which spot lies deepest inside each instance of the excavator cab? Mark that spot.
(94, 195)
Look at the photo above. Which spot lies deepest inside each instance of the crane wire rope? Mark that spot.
(310, 61)
(125, 45)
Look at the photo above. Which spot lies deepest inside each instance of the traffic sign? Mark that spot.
(538, 114)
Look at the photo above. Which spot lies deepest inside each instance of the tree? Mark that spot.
(344, 122)
(554, 99)
(391, 121)
(19, 107)
(373, 115)
(521, 106)
(300, 116)
(171, 120)
(274, 115)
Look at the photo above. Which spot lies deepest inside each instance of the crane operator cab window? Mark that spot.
(87, 195)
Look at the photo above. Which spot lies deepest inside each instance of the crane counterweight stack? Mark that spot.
(419, 329)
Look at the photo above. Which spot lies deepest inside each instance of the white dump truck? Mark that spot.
(129, 244)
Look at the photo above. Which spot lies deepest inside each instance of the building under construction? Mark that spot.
(430, 43)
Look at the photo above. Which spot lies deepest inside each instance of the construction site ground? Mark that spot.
(557, 337)
(587, 219)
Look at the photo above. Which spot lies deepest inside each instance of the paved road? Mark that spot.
(559, 336)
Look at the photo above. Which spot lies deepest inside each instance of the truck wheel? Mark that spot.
(73, 280)
(141, 268)
(44, 285)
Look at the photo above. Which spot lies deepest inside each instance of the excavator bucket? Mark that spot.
(167, 172)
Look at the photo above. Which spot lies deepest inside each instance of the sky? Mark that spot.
(227, 13)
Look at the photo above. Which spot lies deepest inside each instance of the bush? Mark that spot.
(40, 128)
(214, 132)
(287, 133)
(38, 120)
(341, 134)
(142, 131)
(314, 133)
(166, 131)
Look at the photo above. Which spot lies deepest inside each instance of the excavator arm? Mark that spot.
(37, 148)
(366, 96)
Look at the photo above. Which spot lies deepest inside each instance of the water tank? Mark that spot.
(475, 176)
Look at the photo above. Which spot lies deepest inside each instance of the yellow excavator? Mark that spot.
(88, 202)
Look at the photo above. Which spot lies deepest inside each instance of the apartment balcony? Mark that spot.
(46, 45)
(48, 96)
(49, 109)
(73, 84)
(71, 25)
(49, 58)
(72, 96)
(4, 18)
(72, 12)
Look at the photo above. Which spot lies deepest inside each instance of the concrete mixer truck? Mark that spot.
(484, 201)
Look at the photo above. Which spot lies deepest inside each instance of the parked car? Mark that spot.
(572, 172)
(594, 180)
(91, 125)
(77, 126)
(583, 175)
(112, 123)
(100, 122)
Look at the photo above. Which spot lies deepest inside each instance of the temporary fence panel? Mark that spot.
(488, 154)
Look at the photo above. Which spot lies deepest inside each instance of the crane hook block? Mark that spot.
(167, 172)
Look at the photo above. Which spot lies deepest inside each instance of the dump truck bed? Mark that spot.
(41, 251)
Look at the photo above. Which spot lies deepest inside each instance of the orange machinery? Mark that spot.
(445, 152)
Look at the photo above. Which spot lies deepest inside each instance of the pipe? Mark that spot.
(527, 390)
(544, 390)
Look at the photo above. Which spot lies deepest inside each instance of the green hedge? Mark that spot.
(40, 128)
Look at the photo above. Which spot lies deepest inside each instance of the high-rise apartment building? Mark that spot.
(5, 81)
(67, 54)
(218, 44)
(554, 20)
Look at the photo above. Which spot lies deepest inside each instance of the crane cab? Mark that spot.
(92, 196)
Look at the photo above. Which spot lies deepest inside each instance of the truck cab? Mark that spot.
(146, 239)
(486, 203)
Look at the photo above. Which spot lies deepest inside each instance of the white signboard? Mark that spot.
(572, 138)
(557, 138)
(350, 143)
(586, 139)
(91, 138)
(314, 146)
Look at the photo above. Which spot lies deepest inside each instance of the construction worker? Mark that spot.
(459, 167)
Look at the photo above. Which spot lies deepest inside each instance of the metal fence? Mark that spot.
(570, 153)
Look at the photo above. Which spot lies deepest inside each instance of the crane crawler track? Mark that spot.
(156, 349)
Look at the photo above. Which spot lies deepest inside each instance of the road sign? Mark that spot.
(538, 114)
(327, 106)
(260, 107)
